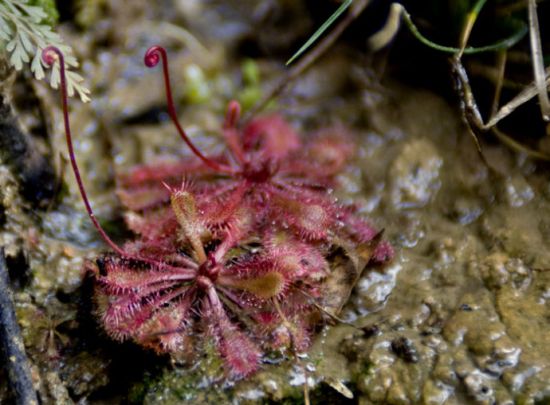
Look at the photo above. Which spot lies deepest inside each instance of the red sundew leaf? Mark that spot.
(242, 356)
(329, 150)
(239, 227)
(319, 162)
(147, 175)
(355, 227)
(272, 135)
(292, 330)
(181, 263)
(117, 327)
(153, 224)
(121, 276)
(166, 249)
(220, 210)
(250, 266)
(123, 315)
(307, 214)
(167, 329)
(260, 278)
(297, 259)
(143, 197)
(122, 280)
(265, 286)
(359, 231)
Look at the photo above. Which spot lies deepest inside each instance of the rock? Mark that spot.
(414, 174)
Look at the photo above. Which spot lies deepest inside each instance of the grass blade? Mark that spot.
(321, 30)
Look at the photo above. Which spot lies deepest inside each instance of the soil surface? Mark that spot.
(459, 316)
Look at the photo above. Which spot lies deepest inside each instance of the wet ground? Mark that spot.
(459, 316)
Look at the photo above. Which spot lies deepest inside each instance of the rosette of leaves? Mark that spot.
(25, 30)
(195, 279)
(241, 257)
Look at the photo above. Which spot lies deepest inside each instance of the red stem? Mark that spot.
(49, 55)
(215, 302)
(230, 131)
(151, 59)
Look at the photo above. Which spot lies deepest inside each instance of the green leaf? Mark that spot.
(49, 8)
(320, 31)
(25, 30)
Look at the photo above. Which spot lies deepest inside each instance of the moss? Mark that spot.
(199, 384)
(251, 91)
(180, 386)
(138, 392)
(197, 88)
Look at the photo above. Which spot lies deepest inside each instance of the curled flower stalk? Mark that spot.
(50, 55)
(152, 57)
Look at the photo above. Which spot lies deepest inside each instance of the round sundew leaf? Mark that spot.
(141, 198)
(330, 150)
(298, 260)
(165, 330)
(185, 208)
(264, 286)
(306, 215)
(272, 135)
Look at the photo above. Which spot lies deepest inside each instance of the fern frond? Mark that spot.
(25, 33)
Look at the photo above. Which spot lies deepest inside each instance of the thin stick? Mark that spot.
(501, 67)
(538, 60)
(515, 145)
(15, 358)
(525, 95)
(471, 113)
(354, 11)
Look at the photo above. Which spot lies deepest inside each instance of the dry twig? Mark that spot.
(15, 358)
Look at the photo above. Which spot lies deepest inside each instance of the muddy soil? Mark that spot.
(459, 316)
